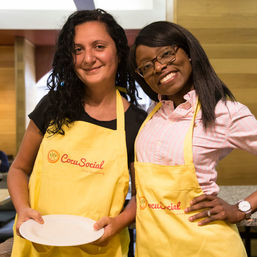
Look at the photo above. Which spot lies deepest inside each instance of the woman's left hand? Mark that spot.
(213, 208)
(110, 229)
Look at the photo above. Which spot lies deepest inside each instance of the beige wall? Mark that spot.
(228, 32)
(7, 100)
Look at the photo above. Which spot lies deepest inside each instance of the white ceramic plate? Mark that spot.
(61, 230)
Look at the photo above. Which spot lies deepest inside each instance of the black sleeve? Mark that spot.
(38, 115)
(134, 118)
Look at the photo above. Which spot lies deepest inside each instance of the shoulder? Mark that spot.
(134, 117)
(40, 108)
(231, 107)
(232, 110)
(38, 114)
(135, 114)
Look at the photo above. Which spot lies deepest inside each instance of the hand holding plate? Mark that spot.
(110, 229)
(26, 214)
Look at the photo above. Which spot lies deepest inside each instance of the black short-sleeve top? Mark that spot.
(134, 117)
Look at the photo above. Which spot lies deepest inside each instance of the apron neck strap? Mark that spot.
(188, 142)
(120, 112)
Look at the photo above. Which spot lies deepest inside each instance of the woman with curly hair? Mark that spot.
(78, 147)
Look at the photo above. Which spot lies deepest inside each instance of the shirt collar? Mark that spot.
(190, 97)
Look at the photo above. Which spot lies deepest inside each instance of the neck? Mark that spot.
(99, 96)
(101, 105)
(179, 97)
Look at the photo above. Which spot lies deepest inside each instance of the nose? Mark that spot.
(158, 67)
(89, 57)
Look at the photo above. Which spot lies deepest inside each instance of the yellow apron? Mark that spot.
(163, 229)
(83, 173)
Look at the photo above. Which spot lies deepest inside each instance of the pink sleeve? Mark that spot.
(242, 130)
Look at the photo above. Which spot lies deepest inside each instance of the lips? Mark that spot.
(167, 77)
(92, 69)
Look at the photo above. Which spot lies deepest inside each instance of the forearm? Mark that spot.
(17, 182)
(127, 216)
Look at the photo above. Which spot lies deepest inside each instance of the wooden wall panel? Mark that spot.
(228, 35)
(227, 31)
(241, 51)
(235, 65)
(239, 80)
(7, 103)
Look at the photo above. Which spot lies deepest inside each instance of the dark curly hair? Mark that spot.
(66, 90)
(208, 86)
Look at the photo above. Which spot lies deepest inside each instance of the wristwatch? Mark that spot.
(245, 206)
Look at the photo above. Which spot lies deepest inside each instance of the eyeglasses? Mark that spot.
(167, 56)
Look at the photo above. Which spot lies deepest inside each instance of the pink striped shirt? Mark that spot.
(161, 140)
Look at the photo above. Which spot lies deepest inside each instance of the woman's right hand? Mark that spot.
(26, 214)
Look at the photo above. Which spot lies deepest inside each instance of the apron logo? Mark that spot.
(53, 156)
(142, 202)
(171, 207)
(82, 162)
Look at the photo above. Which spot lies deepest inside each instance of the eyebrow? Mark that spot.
(163, 48)
(98, 41)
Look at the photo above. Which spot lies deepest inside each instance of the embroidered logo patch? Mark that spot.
(142, 202)
(171, 206)
(82, 162)
(53, 156)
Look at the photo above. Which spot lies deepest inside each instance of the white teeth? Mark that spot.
(169, 76)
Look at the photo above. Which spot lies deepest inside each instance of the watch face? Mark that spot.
(244, 206)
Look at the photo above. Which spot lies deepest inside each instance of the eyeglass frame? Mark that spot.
(156, 58)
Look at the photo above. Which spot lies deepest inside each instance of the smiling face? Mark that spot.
(172, 79)
(95, 55)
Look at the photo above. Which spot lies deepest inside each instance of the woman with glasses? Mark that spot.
(195, 123)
